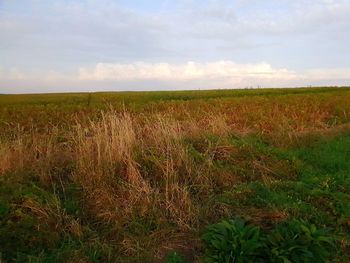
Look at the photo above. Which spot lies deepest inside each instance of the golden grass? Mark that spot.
(106, 168)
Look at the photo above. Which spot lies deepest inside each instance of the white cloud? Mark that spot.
(183, 72)
(326, 74)
(16, 74)
(165, 76)
(162, 76)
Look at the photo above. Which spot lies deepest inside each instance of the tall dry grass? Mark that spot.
(35, 153)
(109, 155)
(103, 147)
(104, 154)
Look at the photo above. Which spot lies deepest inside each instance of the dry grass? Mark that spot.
(52, 214)
(106, 167)
(108, 155)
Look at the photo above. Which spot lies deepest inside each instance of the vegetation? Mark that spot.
(296, 241)
(291, 241)
(233, 241)
(146, 177)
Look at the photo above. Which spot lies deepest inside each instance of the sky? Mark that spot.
(105, 45)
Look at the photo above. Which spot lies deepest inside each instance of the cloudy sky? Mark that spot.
(77, 45)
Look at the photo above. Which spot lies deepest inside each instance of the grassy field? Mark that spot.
(139, 176)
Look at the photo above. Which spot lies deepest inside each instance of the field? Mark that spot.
(139, 176)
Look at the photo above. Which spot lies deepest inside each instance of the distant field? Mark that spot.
(98, 98)
(139, 176)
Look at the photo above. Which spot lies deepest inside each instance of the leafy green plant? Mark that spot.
(292, 241)
(298, 241)
(233, 241)
(175, 257)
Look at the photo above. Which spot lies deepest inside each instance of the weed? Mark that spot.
(233, 241)
(292, 241)
(297, 241)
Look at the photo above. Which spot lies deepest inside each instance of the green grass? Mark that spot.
(319, 194)
(76, 100)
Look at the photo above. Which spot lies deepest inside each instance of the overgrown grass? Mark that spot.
(138, 178)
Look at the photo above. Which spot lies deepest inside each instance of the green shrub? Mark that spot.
(298, 241)
(233, 241)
